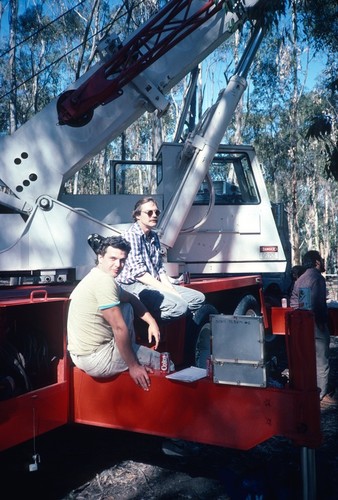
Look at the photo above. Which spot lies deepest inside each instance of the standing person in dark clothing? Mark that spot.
(312, 278)
(296, 272)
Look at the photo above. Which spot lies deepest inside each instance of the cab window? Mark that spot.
(232, 179)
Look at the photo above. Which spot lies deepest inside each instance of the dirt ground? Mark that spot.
(86, 463)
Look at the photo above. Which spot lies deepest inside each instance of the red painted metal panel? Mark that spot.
(32, 414)
(47, 405)
(333, 321)
(230, 416)
(224, 415)
(278, 319)
(230, 283)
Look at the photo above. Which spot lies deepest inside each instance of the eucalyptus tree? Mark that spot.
(319, 121)
(8, 71)
(321, 21)
(277, 119)
(31, 58)
(50, 45)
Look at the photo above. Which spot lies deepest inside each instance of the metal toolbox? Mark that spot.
(237, 348)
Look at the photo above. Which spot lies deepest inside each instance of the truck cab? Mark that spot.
(231, 227)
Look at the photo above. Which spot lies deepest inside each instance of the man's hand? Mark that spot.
(154, 333)
(140, 376)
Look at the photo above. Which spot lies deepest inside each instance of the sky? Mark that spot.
(215, 84)
(315, 69)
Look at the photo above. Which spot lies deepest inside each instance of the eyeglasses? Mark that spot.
(151, 212)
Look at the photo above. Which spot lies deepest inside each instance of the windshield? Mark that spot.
(233, 181)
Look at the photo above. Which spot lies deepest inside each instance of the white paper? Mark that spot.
(188, 374)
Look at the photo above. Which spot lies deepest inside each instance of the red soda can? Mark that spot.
(209, 367)
(165, 362)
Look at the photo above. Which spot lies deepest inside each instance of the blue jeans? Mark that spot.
(322, 341)
(167, 306)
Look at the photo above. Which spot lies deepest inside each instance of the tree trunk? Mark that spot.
(239, 108)
(156, 134)
(93, 18)
(13, 11)
(315, 213)
(293, 149)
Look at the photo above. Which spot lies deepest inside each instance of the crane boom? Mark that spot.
(41, 231)
(41, 155)
(177, 20)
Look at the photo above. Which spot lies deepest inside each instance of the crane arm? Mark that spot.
(130, 79)
(177, 20)
(41, 155)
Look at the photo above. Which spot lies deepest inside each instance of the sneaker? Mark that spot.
(180, 448)
(330, 399)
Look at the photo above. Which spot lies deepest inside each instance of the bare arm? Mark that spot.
(137, 372)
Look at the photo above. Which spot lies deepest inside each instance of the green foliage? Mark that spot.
(294, 149)
(321, 20)
(293, 129)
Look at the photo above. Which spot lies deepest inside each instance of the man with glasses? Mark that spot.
(144, 274)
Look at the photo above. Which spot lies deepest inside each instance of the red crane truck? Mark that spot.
(217, 226)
